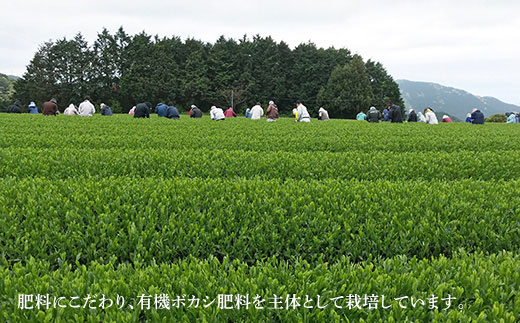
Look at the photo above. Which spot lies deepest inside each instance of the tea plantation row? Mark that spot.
(124, 132)
(482, 288)
(62, 163)
(163, 220)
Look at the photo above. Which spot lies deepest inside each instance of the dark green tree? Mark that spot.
(384, 87)
(107, 67)
(122, 70)
(348, 90)
(37, 83)
(195, 83)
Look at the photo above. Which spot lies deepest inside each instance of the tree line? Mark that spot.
(121, 70)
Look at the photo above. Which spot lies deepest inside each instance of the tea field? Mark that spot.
(421, 222)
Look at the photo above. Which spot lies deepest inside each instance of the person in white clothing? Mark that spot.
(431, 118)
(70, 111)
(323, 114)
(257, 112)
(216, 113)
(86, 109)
(302, 113)
(420, 117)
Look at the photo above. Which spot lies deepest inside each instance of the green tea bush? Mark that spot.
(53, 163)
(498, 118)
(483, 288)
(164, 220)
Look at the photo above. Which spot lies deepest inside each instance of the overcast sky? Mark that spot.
(468, 44)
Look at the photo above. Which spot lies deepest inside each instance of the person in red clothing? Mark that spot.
(446, 118)
(229, 113)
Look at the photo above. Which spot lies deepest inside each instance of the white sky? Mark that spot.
(472, 45)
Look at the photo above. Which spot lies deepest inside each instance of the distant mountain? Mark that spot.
(454, 102)
(13, 77)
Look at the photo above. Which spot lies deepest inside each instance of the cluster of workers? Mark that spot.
(392, 113)
(85, 109)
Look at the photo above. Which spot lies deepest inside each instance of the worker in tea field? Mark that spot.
(195, 112)
(430, 116)
(373, 115)
(86, 109)
(71, 110)
(257, 112)
(386, 114)
(446, 118)
(142, 110)
(229, 113)
(323, 115)
(302, 115)
(361, 116)
(50, 108)
(512, 117)
(172, 112)
(477, 117)
(15, 107)
(412, 116)
(106, 110)
(216, 114)
(248, 113)
(421, 117)
(272, 112)
(32, 108)
(394, 114)
(160, 109)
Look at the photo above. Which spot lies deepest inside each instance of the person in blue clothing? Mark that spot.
(512, 117)
(477, 117)
(172, 112)
(386, 114)
(248, 113)
(468, 118)
(160, 109)
(106, 110)
(32, 108)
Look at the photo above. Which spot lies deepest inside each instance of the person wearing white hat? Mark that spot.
(32, 108)
(446, 118)
(323, 115)
(374, 115)
(216, 114)
(272, 112)
(195, 112)
(70, 111)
